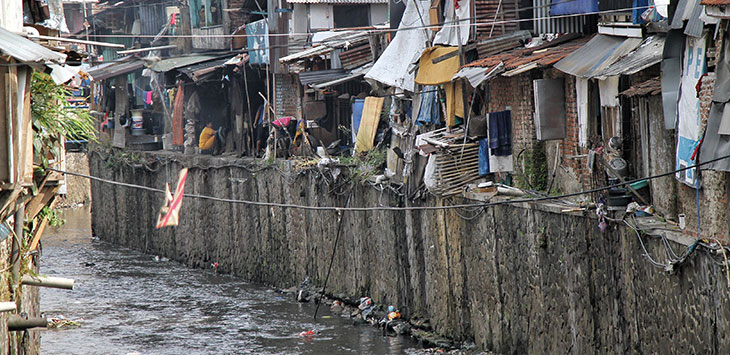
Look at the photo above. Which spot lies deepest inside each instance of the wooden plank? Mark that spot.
(36, 238)
(39, 201)
(368, 123)
(4, 174)
(26, 165)
(13, 122)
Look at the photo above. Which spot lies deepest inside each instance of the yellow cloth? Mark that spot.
(438, 73)
(454, 102)
(368, 123)
(207, 138)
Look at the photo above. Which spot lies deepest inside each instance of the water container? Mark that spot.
(137, 122)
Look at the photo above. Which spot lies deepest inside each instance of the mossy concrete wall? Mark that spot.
(515, 280)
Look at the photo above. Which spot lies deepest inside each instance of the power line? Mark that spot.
(392, 208)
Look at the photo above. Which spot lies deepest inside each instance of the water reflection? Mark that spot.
(128, 302)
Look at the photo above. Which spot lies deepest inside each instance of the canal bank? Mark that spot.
(515, 279)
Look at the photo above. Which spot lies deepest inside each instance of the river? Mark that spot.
(131, 303)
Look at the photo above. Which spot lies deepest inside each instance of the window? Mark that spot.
(351, 16)
(205, 13)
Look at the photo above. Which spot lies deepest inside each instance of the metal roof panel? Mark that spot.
(596, 55)
(648, 54)
(27, 51)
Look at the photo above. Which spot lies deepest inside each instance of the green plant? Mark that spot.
(54, 219)
(52, 119)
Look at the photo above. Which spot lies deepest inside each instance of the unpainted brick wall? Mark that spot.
(515, 92)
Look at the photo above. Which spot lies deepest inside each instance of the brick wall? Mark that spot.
(238, 16)
(288, 102)
(515, 92)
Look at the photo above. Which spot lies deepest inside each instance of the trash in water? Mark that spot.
(60, 321)
(308, 333)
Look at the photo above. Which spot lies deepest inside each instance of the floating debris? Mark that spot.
(60, 321)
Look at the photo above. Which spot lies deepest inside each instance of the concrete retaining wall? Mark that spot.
(515, 280)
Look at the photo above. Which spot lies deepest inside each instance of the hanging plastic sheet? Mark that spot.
(368, 123)
(454, 27)
(437, 65)
(671, 72)
(258, 42)
(429, 112)
(688, 127)
(394, 67)
(581, 98)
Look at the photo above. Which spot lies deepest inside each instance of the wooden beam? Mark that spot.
(37, 233)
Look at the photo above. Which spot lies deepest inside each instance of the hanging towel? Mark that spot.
(500, 133)
(428, 112)
(484, 156)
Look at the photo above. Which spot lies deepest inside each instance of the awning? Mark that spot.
(202, 71)
(116, 68)
(649, 53)
(344, 40)
(179, 62)
(351, 75)
(321, 76)
(596, 55)
(27, 51)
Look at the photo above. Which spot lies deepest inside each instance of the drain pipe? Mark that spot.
(46, 281)
(16, 322)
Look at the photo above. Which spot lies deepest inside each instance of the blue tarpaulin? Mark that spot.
(562, 7)
(258, 43)
(357, 108)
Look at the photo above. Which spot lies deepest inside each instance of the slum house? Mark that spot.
(21, 196)
(151, 92)
(330, 77)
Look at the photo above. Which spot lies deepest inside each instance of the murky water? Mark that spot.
(127, 302)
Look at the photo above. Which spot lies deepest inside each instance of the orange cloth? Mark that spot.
(454, 102)
(207, 138)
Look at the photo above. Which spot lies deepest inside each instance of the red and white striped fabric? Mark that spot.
(170, 211)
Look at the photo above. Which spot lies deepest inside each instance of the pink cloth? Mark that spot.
(148, 97)
(284, 121)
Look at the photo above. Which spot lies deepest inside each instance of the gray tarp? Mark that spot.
(714, 144)
(671, 67)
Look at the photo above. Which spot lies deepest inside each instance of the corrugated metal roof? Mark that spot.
(502, 43)
(652, 86)
(530, 58)
(338, 2)
(179, 62)
(648, 54)
(356, 57)
(27, 51)
(596, 55)
(201, 71)
(351, 75)
(682, 12)
(321, 76)
(115, 68)
(694, 24)
(345, 40)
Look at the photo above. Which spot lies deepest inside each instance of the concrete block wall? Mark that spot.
(514, 279)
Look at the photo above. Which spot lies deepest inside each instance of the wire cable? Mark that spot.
(393, 208)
